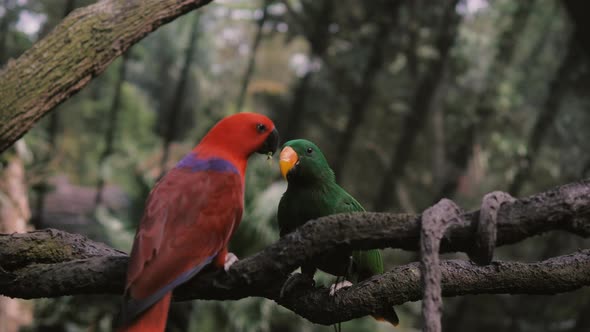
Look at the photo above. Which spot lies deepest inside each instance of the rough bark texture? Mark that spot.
(52, 263)
(80, 48)
(402, 284)
(54, 120)
(435, 221)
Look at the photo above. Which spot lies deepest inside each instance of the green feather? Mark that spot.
(312, 192)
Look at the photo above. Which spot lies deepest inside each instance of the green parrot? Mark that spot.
(312, 192)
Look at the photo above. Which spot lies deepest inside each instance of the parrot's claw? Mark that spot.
(294, 281)
(336, 287)
(230, 259)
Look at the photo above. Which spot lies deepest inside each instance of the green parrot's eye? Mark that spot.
(309, 150)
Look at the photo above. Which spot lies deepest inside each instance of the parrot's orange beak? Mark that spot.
(287, 160)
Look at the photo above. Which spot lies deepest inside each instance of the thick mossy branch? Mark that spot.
(88, 267)
(49, 246)
(76, 51)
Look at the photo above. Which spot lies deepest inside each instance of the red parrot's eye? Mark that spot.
(261, 128)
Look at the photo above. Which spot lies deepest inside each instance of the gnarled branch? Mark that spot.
(402, 284)
(80, 48)
(70, 265)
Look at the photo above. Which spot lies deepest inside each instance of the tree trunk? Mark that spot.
(438, 133)
(52, 132)
(177, 100)
(361, 97)
(252, 59)
(6, 4)
(76, 51)
(421, 105)
(318, 37)
(556, 91)
(462, 153)
(291, 126)
(578, 11)
(14, 215)
(54, 119)
(111, 129)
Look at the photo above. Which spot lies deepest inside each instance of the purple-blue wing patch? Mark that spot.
(195, 164)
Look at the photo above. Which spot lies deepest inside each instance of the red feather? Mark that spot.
(153, 319)
(186, 221)
(189, 218)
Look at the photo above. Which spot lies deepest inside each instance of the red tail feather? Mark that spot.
(153, 319)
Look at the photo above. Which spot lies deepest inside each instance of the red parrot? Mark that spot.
(190, 215)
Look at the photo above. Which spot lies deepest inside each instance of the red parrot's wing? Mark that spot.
(189, 217)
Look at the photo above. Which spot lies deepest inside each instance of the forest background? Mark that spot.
(411, 101)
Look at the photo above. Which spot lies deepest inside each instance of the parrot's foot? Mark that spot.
(337, 286)
(296, 280)
(230, 259)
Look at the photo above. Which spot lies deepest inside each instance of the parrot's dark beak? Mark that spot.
(271, 144)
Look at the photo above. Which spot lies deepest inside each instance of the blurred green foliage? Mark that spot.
(494, 64)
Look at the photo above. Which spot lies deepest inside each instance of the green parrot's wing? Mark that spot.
(343, 202)
(366, 263)
(285, 215)
(346, 203)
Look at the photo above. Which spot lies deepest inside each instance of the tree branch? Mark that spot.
(402, 284)
(53, 263)
(80, 48)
